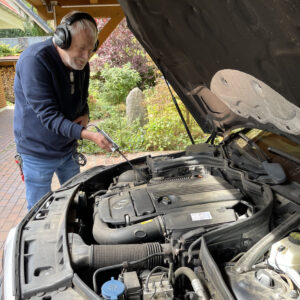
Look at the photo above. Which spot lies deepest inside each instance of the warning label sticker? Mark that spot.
(204, 215)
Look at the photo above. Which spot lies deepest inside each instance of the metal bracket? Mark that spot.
(51, 9)
(50, 6)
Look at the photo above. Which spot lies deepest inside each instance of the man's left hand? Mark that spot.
(82, 120)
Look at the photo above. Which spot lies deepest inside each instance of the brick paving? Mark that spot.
(13, 205)
(12, 189)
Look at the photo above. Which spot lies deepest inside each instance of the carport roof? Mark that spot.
(55, 10)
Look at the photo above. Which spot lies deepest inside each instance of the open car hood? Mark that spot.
(233, 63)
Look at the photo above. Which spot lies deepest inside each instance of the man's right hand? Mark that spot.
(97, 138)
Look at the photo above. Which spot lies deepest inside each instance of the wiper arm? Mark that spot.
(274, 170)
(262, 154)
(283, 154)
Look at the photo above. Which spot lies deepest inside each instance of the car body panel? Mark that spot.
(191, 41)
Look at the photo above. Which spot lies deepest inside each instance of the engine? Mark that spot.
(175, 205)
(161, 231)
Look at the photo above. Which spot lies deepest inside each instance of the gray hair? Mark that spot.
(80, 25)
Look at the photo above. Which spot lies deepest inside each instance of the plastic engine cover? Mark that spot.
(183, 204)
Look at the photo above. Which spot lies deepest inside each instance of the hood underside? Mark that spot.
(233, 63)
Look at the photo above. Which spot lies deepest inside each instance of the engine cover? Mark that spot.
(183, 204)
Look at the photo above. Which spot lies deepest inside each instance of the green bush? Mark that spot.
(129, 138)
(5, 50)
(117, 83)
(163, 131)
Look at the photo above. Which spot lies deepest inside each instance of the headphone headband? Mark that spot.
(62, 35)
(80, 16)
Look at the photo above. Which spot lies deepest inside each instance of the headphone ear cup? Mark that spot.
(96, 46)
(62, 37)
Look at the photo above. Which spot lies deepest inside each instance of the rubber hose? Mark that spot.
(99, 256)
(195, 281)
(150, 230)
(107, 255)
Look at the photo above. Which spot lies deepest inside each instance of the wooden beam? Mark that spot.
(96, 12)
(97, 8)
(109, 28)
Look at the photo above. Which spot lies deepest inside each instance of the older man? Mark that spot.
(51, 110)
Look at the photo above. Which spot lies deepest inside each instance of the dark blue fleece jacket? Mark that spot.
(44, 104)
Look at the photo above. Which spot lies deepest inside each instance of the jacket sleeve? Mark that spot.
(39, 93)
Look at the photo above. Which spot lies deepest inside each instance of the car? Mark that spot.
(215, 221)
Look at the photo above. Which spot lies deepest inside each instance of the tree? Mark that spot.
(121, 48)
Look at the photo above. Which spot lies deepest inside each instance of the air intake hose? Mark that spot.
(98, 256)
(150, 230)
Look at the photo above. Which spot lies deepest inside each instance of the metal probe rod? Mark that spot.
(132, 166)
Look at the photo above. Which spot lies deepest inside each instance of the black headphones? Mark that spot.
(62, 35)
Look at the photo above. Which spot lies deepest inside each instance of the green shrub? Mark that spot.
(163, 131)
(6, 50)
(129, 138)
(117, 83)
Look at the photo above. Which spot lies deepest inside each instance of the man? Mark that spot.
(51, 110)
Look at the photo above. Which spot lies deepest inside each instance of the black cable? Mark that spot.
(211, 138)
(191, 247)
(180, 113)
(78, 157)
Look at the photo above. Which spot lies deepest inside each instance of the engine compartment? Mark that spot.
(206, 223)
(177, 228)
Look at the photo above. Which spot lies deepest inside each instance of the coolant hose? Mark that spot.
(195, 281)
(246, 262)
(149, 230)
(99, 256)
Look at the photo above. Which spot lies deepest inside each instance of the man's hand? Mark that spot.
(82, 120)
(97, 138)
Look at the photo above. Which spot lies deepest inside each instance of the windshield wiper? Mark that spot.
(283, 154)
(274, 170)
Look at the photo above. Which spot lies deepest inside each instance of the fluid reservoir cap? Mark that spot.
(294, 238)
(112, 289)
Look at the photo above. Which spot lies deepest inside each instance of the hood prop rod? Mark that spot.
(180, 113)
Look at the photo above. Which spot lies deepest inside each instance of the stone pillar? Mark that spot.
(135, 108)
